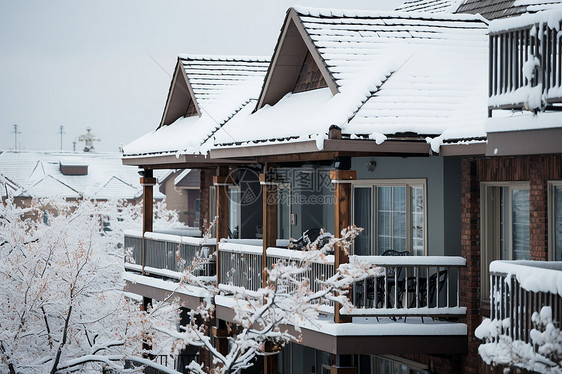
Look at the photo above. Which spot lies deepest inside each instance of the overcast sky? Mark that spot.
(107, 63)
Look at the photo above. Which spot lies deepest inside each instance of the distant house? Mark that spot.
(181, 188)
(71, 175)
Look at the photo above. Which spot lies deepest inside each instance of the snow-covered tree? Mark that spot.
(261, 316)
(62, 303)
(544, 355)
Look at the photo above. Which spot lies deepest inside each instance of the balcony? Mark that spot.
(525, 62)
(412, 308)
(520, 288)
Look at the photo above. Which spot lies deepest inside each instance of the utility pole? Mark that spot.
(61, 132)
(16, 132)
(74, 146)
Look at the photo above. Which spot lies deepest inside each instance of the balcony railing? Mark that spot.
(520, 288)
(410, 286)
(526, 62)
(162, 251)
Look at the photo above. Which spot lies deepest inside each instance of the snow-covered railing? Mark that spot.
(526, 61)
(520, 288)
(240, 265)
(162, 251)
(426, 286)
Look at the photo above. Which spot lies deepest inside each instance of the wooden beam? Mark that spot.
(147, 181)
(222, 212)
(342, 180)
(270, 196)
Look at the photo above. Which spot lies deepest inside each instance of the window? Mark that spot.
(392, 214)
(505, 226)
(388, 365)
(555, 204)
(234, 212)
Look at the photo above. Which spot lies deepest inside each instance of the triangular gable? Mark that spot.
(296, 66)
(116, 188)
(181, 99)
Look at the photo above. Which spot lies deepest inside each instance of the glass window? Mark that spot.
(392, 216)
(520, 224)
(557, 223)
(234, 213)
(383, 365)
(505, 227)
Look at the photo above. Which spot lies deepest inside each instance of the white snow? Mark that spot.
(535, 276)
(371, 326)
(523, 121)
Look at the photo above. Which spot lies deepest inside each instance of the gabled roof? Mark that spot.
(219, 86)
(116, 188)
(493, 9)
(51, 186)
(39, 174)
(430, 6)
(397, 74)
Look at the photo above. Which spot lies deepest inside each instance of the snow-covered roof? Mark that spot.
(430, 6)
(397, 74)
(493, 9)
(38, 174)
(222, 86)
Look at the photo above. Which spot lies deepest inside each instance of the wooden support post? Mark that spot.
(220, 331)
(268, 182)
(342, 180)
(344, 365)
(221, 181)
(147, 181)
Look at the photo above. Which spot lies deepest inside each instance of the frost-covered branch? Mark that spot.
(269, 318)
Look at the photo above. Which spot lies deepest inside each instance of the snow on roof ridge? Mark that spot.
(196, 57)
(526, 19)
(361, 13)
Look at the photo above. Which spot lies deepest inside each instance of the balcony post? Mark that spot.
(147, 181)
(221, 181)
(342, 180)
(270, 200)
(268, 181)
(343, 365)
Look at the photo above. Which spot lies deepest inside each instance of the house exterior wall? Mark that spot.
(175, 199)
(443, 178)
(537, 171)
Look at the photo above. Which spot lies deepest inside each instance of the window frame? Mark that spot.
(488, 237)
(407, 183)
(550, 209)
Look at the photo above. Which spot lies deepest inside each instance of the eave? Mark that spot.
(350, 147)
(172, 161)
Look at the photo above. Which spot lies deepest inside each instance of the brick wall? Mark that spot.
(470, 249)
(537, 170)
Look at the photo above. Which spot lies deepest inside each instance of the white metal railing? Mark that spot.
(526, 61)
(169, 252)
(426, 286)
(520, 288)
